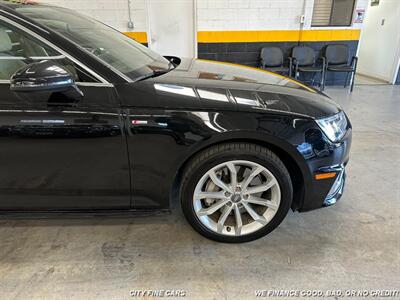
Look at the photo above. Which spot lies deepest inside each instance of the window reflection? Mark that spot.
(175, 89)
(242, 79)
(210, 120)
(212, 95)
(208, 75)
(246, 101)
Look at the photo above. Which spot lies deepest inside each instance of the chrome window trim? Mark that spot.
(95, 84)
(54, 47)
(90, 84)
(31, 57)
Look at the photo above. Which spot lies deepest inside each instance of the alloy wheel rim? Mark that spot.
(236, 198)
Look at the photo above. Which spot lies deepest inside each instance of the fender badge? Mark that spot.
(139, 122)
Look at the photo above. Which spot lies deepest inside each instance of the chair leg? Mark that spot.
(353, 77)
(347, 79)
(313, 79)
(321, 83)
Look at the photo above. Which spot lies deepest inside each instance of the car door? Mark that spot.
(56, 155)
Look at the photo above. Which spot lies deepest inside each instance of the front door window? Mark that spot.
(17, 49)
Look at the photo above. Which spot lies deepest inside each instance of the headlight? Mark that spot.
(334, 127)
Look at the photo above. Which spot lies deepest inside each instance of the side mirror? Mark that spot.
(41, 76)
(176, 61)
(46, 78)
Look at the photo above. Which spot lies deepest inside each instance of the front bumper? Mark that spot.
(336, 190)
(326, 171)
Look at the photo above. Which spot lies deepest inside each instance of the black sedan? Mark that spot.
(92, 121)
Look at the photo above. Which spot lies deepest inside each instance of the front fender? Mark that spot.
(161, 143)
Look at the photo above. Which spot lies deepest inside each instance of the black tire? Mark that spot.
(218, 154)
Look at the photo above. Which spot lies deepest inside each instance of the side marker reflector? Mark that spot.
(325, 176)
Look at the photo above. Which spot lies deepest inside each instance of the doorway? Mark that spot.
(379, 52)
(172, 27)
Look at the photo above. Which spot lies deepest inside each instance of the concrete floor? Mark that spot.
(353, 245)
(365, 80)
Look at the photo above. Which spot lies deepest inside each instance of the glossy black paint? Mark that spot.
(125, 145)
(40, 79)
(197, 105)
(63, 157)
(42, 76)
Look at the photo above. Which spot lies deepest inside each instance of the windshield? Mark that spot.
(112, 47)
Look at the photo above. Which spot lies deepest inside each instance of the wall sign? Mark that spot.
(359, 15)
(375, 2)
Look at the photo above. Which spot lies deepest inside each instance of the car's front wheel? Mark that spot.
(236, 192)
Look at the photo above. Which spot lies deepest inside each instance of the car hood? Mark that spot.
(208, 85)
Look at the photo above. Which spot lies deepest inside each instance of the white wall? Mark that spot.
(211, 14)
(248, 14)
(380, 45)
(258, 14)
(171, 27)
(113, 13)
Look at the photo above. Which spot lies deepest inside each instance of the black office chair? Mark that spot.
(304, 60)
(337, 60)
(271, 59)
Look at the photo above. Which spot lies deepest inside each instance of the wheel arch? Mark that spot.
(294, 165)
